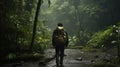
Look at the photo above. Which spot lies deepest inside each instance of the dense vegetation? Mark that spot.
(90, 23)
(16, 26)
(81, 18)
(106, 38)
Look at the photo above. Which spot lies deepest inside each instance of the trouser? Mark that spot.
(59, 54)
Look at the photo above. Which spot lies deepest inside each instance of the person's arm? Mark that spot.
(67, 41)
(53, 43)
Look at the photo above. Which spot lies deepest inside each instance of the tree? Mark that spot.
(35, 23)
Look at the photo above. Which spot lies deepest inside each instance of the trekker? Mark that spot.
(59, 42)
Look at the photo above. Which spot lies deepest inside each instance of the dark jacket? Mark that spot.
(55, 32)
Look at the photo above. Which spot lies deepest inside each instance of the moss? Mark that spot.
(90, 49)
(76, 47)
(103, 39)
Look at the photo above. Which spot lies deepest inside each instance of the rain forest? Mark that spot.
(26, 29)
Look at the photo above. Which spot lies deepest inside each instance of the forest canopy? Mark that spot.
(81, 18)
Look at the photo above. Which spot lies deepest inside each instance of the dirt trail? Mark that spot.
(73, 58)
(76, 58)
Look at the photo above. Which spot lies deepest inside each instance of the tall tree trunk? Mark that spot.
(35, 23)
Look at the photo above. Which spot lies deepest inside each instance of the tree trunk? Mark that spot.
(35, 23)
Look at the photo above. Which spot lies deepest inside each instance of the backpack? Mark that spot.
(61, 37)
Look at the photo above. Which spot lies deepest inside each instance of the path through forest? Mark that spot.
(76, 58)
(73, 58)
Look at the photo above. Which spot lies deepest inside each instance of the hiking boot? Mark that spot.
(57, 60)
(61, 62)
(57, 64)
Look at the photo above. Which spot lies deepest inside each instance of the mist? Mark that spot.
(76, 15)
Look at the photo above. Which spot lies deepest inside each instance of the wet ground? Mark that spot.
(76, 58)
(73, 58)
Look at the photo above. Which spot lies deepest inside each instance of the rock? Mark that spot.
(79, 59)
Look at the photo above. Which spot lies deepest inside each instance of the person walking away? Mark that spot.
(59, 42)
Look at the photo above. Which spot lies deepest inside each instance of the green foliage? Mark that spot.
(103, 38)
(11, 56)
(76, 47)
(16, 24)
(42, 38)
(81, 18)
(81, 15)
(72, 40)
(83, 37)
